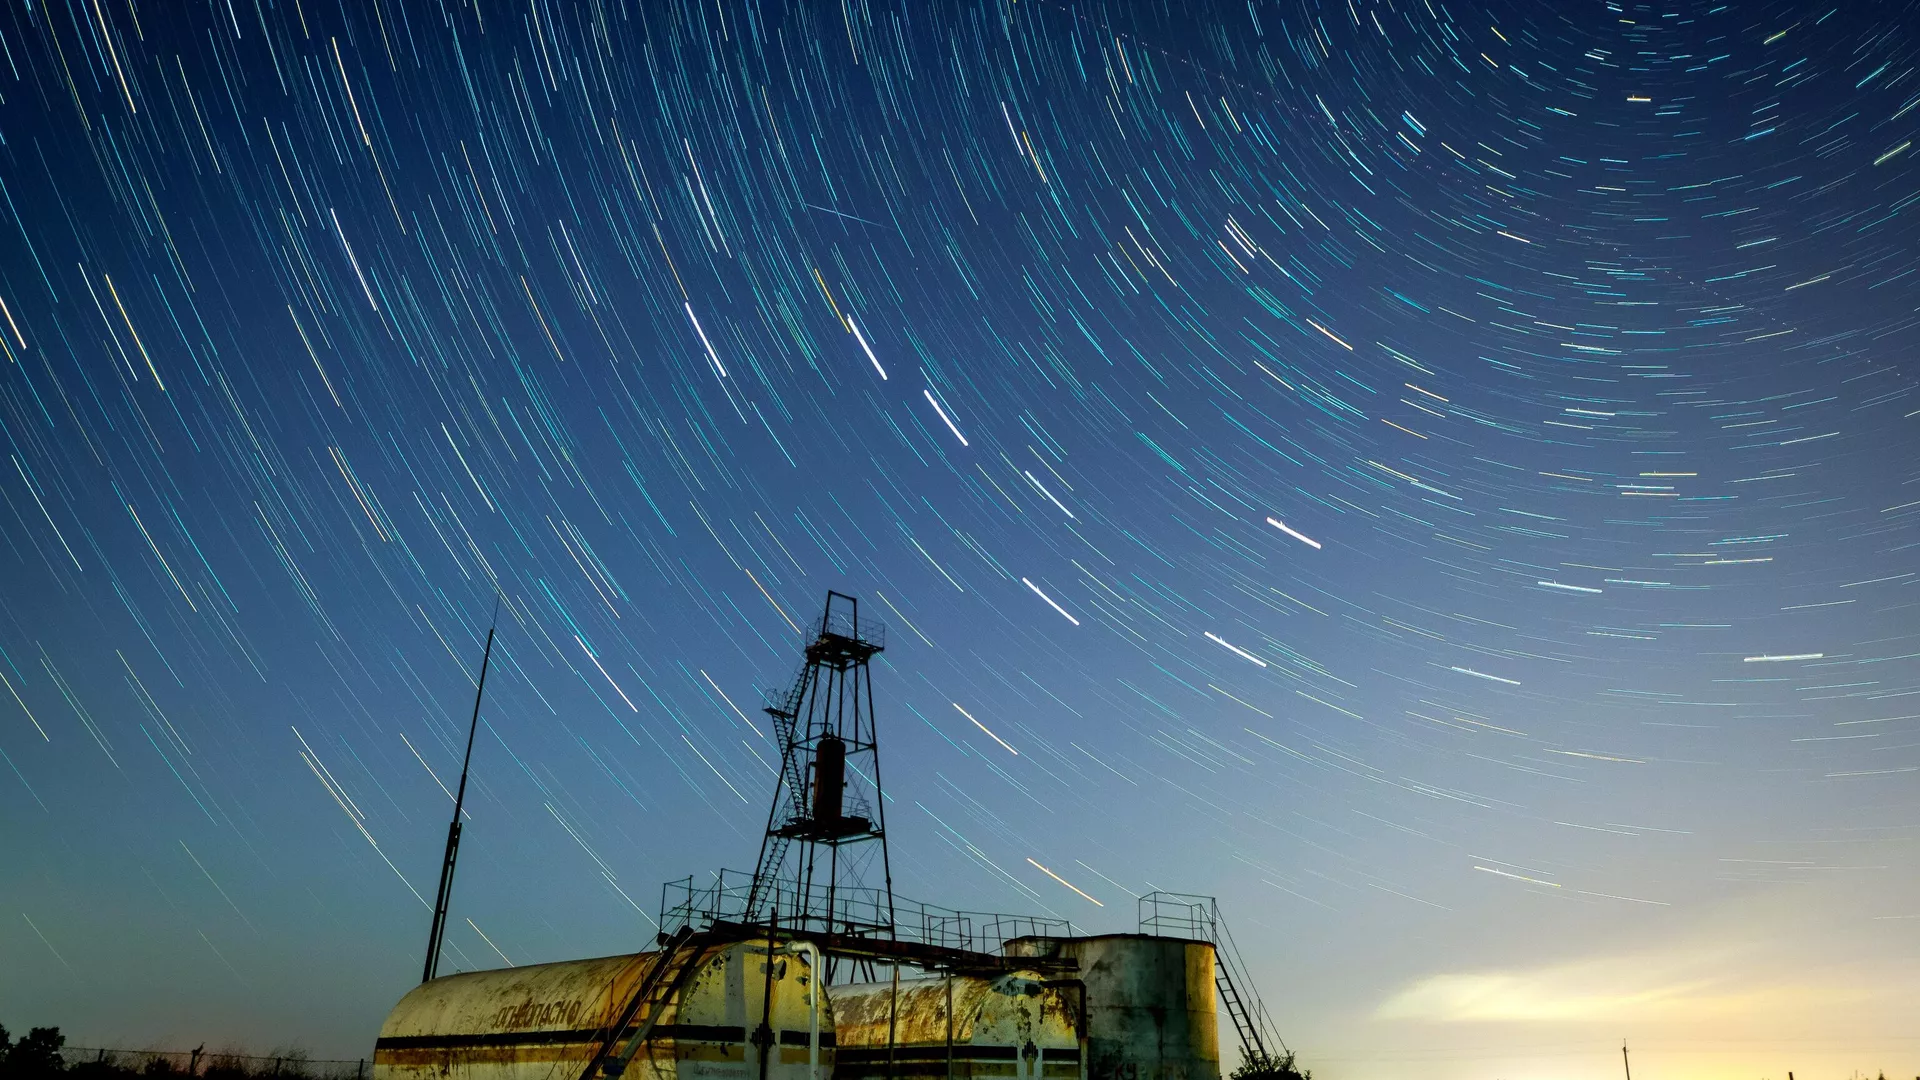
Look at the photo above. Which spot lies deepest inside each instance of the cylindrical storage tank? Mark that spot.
(547, 1021)
(829, 780)
(1151, 1011)
(1015, 1026)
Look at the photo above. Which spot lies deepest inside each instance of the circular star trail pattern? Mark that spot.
(1385, 463)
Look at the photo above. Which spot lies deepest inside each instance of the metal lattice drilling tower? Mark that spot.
(823, 863)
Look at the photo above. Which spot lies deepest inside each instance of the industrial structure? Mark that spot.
(810, 968)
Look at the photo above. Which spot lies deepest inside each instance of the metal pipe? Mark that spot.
(880, 798)
(893, 1019)
(813, 1005)
(1079, 1018)
(763, 1036)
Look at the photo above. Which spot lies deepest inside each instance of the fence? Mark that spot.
(292, 1065)
(725, 899)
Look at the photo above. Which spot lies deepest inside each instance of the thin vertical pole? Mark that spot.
(893, 1019)
(1623, 1059)
(880, 797)
(439, 931)
(763, 1036)
(830, 725)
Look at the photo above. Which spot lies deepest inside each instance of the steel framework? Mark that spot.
(826, 829)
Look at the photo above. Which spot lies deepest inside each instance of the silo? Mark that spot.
(965, 1027)
(1151, 1010)
(546, 1021)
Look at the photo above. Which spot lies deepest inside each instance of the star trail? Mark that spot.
(1443, 478)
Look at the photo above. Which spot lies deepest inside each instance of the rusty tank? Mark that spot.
(1020, 1026)
(1151, 1013)
(548, 1021)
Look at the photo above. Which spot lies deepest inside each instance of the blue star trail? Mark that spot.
(1383, 463)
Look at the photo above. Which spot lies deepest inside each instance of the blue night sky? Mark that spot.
(1441, 477)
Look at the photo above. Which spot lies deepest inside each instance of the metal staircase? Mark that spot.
(659, 988)
(785, 710)
(1250, 1023)
(1197, 918)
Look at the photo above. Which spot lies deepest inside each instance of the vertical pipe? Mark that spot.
(813, 1006)
(949, 1025)
(1080, 1017)
(833, 878)
(763, 1036)
(880, 798)
(830, 725)
(893, 1018)
(1081, 1023)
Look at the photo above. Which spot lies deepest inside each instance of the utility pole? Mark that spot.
(439, 930)
(1623, 1059)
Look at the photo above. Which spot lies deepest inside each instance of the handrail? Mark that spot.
(856, 911)
(1197, 918)
(605, 1060)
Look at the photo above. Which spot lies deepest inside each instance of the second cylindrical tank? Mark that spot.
(1151, 1010)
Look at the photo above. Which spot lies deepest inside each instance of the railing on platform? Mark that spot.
(1197, 918)
(841, 623)
(858, 912)
(1179, 915)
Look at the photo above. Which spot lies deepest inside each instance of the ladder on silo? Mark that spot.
(1249, 1014)
(1253, 1046)
(659, 987)
(1198, 917)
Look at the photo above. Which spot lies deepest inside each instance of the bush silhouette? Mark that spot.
(37, 1056)
(1281, 1068)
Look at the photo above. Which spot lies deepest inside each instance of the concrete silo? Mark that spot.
(1150, 1004)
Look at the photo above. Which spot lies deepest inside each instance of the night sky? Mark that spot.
(1444, 478)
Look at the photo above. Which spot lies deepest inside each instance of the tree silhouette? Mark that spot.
(36, 1054)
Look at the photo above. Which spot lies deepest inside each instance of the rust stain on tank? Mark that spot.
(1015, 1026)
(545, 1021)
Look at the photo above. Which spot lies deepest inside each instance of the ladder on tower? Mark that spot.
(659, 988)
(773, 853)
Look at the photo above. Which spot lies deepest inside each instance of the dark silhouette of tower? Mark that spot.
(823, 864)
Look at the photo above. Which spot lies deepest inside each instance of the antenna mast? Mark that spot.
(439, 931)
(826, 829)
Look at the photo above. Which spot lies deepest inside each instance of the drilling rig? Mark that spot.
(811, 968)
(823, 864)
